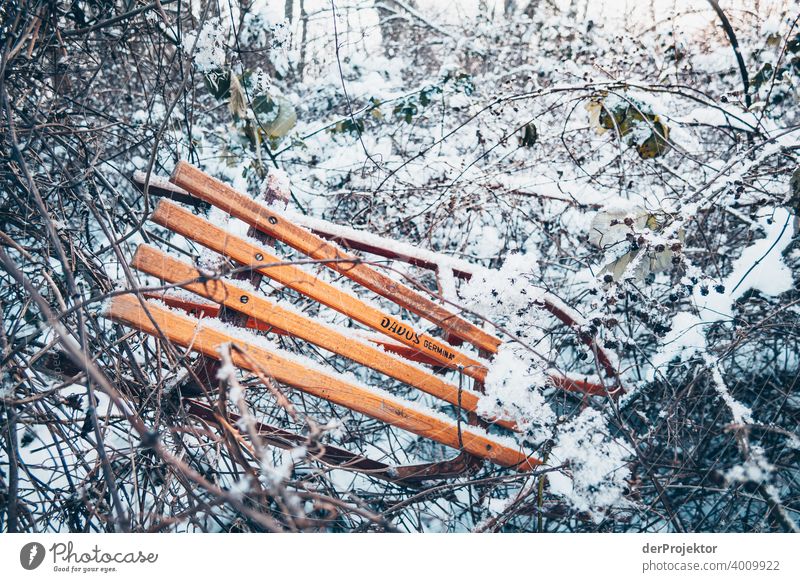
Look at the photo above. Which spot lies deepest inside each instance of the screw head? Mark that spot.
(259, 257)
(272, 220)
(244, 299)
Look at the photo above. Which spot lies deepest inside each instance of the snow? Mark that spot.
(755, 469)
(278, 181)
(771, 25)
(719, 116)
(597, 470)
(514, 390)
(740, 413)
(759, 267)
(278, 464)
(206, 47)
(241, 487)
(140, 116)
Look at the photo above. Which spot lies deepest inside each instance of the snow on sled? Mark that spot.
(228, 308)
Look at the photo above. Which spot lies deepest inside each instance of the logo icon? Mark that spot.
(31, 555)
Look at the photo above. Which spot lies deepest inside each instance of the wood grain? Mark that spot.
(277, 226)
(183, 222)
(198, 337)
(158, 264)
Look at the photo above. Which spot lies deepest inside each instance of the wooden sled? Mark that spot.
(390, 349)
(180, 220)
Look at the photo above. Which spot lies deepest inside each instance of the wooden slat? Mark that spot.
(183, 222)
(196, 309)
(399, 349)
(277, 226)
(158, 264)
(198, 337)
(559, 380)
(546, 300)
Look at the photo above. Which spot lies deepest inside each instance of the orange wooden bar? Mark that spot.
(171, 216)
(271, 222)
(561, 381)
(199, 337)
(157, 263)
(196, 308)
